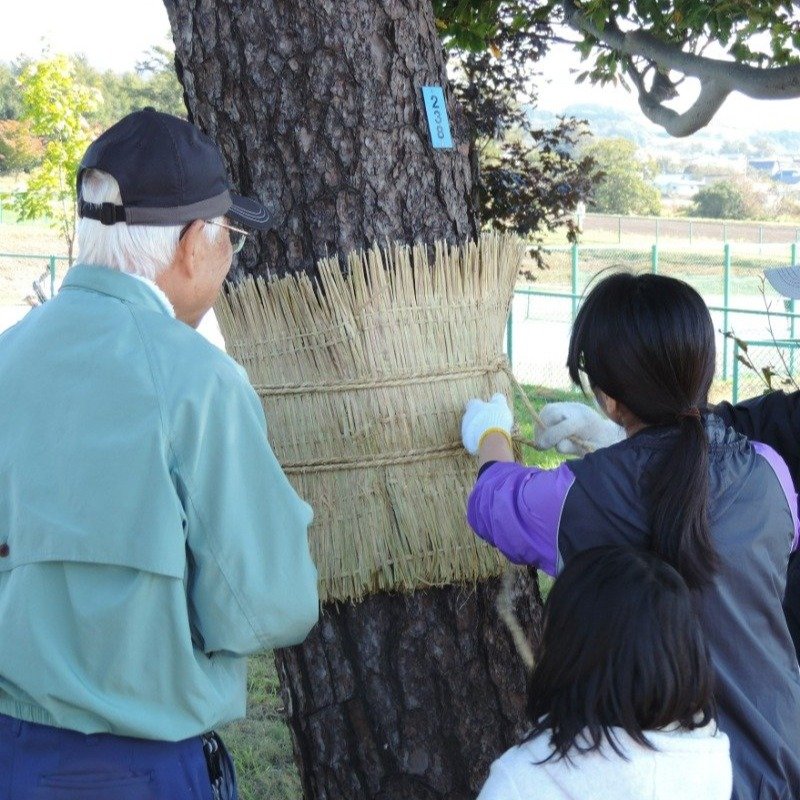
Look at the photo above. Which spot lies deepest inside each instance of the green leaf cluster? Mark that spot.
(476, 25)
(762, 33)
(153, 83)
(736, 26)
(51, 109)
(626, 185)
(525, 179)
(727, 199)
(57, 107)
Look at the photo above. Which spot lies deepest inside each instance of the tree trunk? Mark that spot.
(317, 108)
(407, 697)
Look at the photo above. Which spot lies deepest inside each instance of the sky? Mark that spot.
(116, 35)
(112, 35)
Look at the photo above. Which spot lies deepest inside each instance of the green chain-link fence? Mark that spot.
(729, 277)
(24, 276)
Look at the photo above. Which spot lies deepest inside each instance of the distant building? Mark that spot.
(788, 176)
(768, 165)
(677, 185)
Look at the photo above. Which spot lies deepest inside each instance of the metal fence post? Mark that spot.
(654, 259)
(726, 294)
(690, 232)
(760, 237)
(619, 230)
(735, 387)
(574, 279)
(52, 277)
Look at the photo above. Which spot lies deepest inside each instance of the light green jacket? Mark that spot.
(148, 538)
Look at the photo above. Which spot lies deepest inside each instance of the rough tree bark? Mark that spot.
(317, 109)
(407, 697)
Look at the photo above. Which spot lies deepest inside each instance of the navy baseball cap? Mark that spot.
(169, 173)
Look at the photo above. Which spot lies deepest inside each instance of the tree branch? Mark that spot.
(717, 78)
(702, 111)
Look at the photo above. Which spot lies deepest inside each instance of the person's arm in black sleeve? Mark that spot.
(773, 419)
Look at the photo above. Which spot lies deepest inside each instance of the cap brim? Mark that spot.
(249, 213)
(785, 280)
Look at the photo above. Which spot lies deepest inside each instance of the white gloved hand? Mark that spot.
(482, 416)
(559, 421)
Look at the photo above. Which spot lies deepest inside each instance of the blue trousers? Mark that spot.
(38, 762)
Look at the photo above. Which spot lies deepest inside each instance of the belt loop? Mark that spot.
(16, 727)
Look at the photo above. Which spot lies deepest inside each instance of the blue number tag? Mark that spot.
(436, 111)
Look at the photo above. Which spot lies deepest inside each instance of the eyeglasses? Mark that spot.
(237, 235)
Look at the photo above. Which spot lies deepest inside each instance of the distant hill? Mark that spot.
(606, 122)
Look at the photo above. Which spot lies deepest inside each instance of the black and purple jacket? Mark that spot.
(544, 517)
(774, 419)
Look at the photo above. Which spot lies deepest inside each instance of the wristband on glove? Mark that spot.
(481, 416)
(489, 431)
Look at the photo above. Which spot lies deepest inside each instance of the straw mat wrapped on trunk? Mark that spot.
(364, 377)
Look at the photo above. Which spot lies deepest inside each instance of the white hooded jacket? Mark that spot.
(687, 765)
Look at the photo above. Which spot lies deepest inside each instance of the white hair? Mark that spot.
(144, 250)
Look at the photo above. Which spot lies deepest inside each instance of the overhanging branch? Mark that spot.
(717, 78)
(702, 111)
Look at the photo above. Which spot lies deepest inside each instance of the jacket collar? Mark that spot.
(117, 284)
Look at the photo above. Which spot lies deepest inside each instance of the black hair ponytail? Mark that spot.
(648, 342)
(679, 527)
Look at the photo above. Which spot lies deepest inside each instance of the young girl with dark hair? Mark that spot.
(721, 510)
(620, 700)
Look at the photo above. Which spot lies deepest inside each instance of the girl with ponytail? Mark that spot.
(719, 509)
(646, 346)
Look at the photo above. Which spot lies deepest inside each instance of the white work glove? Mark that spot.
(559, 421)
(482, 417)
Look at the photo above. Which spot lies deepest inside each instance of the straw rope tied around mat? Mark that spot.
(364, 374)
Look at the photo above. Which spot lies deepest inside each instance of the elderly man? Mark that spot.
(149, 540)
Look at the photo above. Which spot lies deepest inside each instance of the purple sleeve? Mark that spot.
(785, 479)
(518, 510)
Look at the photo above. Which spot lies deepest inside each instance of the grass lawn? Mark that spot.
(538, 397)
(261, 745)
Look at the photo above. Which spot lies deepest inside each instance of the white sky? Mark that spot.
(115, 35)
(112, 35)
